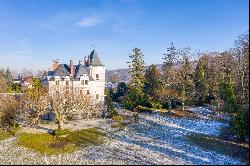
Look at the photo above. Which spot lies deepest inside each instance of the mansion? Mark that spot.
(87, 77)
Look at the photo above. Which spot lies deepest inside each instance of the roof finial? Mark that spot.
(93, 46)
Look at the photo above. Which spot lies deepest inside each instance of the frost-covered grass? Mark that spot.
(157, 139)
(212, 143)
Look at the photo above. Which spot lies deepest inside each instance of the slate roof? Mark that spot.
(94, 59)
(80, 70)
(63, 70)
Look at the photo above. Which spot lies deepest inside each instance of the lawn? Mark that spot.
(48, 144)
(85, 137)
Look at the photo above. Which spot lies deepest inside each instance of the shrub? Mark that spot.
(239, 125)
(8, 113)
(156, 105)
(59, 133)
(143, 109)
(112, 113)
(119, 118)
(133, 99)
(136, 117)
(118, 125)
(4, 135)
(173, 103)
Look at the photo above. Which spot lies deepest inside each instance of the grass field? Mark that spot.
(48, 144)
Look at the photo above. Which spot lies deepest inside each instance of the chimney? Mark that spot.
(80, 62)
(85, 60)
(71, 68)
(55, 65)
(88, 60)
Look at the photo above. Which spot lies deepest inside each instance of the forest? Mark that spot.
(219, 79)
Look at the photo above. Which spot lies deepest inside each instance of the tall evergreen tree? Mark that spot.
(8, 75)
(169, 75)
(3, 82)
(168, 63)
(153, 86)
(135, 95)
(200, 81)
(185, 77)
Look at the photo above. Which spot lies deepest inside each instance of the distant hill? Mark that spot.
(122, 75)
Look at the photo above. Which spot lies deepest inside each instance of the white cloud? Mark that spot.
(90, 21)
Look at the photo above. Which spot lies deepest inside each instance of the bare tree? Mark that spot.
(75, 104)
(33, 108)
(8, 112)
(34, 103)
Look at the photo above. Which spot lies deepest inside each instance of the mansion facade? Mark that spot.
(87, 77)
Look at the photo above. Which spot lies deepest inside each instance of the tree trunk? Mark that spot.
(60, 125)
(183, 105)
(169, 105)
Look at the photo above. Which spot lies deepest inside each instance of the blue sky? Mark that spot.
(34, 32)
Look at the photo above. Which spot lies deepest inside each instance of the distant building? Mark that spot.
(17, 80)
(85, 78)
(27, 81)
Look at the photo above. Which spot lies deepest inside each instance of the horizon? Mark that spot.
(34, 33)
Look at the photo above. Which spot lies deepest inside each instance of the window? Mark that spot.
(97, 96)
(57, 82)
(86, 82)
(87, 92)
(67, 82)
(81, 92)
(97, 76)
(82, 82)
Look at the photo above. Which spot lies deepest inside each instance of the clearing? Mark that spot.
(156, 139)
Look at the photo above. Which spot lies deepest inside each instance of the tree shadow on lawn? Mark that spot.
(170, 141)
(48, 130)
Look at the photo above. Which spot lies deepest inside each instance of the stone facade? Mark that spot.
(85, 78)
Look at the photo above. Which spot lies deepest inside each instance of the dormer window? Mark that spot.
(97, 76)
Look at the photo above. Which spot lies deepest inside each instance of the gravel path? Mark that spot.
(155, 140)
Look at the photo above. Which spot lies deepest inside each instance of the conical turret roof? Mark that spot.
(94, 59)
